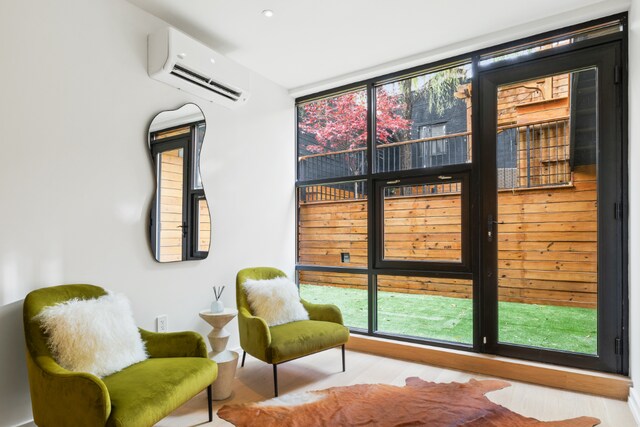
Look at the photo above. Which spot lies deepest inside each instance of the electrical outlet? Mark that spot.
(162, 324)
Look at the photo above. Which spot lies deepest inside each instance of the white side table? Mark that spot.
(227, 360)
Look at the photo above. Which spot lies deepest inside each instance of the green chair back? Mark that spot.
(37, 300)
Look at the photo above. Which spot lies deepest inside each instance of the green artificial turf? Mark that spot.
(451, 319)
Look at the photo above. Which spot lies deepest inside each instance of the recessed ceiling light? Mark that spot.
(267, 13)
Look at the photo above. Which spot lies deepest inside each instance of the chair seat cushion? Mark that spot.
(297, 339)
(144, 393)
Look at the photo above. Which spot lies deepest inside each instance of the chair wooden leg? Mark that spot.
(209, 403)
(343, 365)
(275, 379)
(244, 354)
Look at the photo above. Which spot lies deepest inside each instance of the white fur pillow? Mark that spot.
(275, 300)
(95, 335)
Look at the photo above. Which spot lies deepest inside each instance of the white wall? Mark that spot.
(76, 177)
(634, 203)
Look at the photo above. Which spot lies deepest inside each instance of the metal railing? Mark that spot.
(534, 155)
(340, 191)
(446, 188)
(421, 153)
(415, 154)
(331, 165)
(528, 155)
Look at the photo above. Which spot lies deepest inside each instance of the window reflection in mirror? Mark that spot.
(180, 224)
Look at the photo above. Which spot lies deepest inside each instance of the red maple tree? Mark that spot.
(340, 123)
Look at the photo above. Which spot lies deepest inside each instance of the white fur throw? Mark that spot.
(95, 335)
(275, 300)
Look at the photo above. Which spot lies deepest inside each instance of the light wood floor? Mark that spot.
(254, 383)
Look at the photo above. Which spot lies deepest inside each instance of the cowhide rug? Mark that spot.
(419, 403)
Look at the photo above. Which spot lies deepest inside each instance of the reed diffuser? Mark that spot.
(217, 306)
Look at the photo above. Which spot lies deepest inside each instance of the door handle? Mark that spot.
(184, 227)
(490, 223)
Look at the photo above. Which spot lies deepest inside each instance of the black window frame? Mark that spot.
(464, 266)
(476, 228)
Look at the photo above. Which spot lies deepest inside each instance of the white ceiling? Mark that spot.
(308, 42)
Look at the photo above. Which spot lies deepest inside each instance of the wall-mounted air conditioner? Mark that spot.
(187, 64)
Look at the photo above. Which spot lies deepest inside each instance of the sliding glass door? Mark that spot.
(550, 202)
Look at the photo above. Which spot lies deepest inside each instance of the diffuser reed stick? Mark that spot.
(217, 292)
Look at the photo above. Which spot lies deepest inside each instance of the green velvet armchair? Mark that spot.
(140, 395)
(282, 343)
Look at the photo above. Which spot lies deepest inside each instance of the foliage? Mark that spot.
(340, 123)
(437, 90)
(440, 88)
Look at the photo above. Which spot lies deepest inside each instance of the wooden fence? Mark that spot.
(547, 247)
(171, 183)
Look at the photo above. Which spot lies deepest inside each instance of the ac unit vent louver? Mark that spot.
(206, 83)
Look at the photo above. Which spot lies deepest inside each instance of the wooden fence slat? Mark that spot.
(548, 265)
(549, 226)
(548, 256)
(543, 217)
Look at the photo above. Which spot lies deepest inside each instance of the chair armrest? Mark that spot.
(66, 398)
(174, 344)
(324, 312)
(255, 336)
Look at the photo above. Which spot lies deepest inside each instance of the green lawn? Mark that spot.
(450, 319)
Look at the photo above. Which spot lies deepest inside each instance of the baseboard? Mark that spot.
(592, 382)
(634, 403)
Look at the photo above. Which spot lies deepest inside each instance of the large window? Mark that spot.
(475, 203)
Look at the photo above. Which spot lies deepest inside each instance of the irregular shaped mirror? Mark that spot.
(180, 225)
